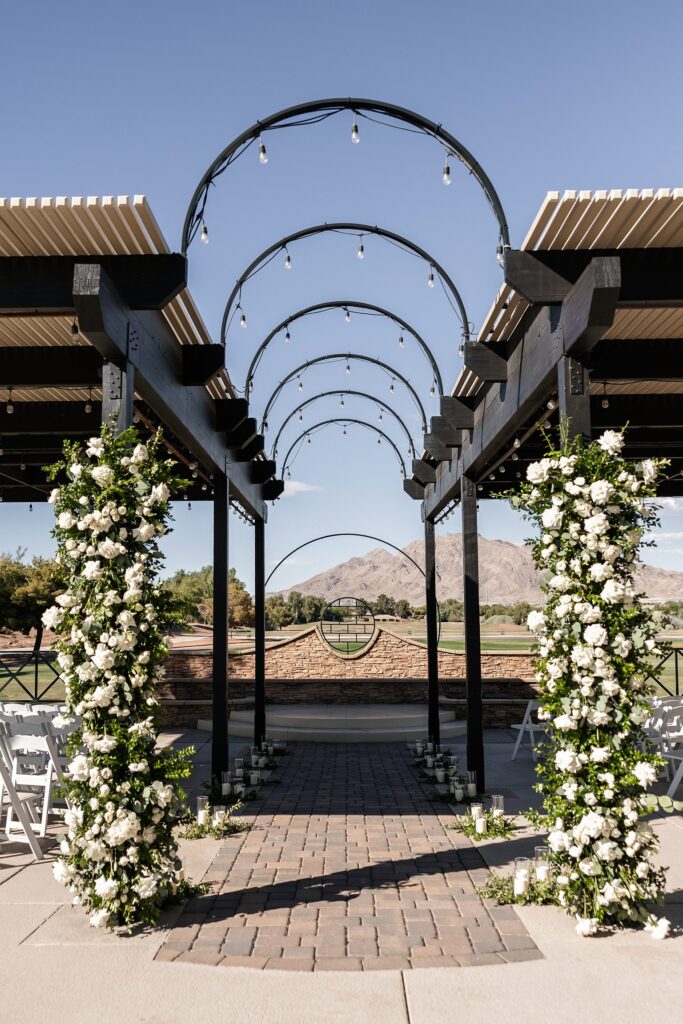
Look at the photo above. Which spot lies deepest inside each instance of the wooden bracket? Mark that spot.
(414, 489)
(260, 472)
(423, 472)
(444, 431)
(458, 411)
(201, 363)
(488, 364)
(230, 412)
(273, 489)
(532, 279)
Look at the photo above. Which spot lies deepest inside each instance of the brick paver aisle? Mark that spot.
(348, 867)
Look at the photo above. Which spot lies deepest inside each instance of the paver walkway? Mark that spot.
(349, 866)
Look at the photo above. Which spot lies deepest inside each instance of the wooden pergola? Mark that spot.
(96, 323)
(589, 326)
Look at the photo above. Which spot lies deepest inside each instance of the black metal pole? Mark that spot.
(432, 635)
(219, 745)
(470, 575)
(259, 631)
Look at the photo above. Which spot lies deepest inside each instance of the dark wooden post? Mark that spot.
(470, 575)
(219, 746)
(259, 631)
(574, 396)
(117, 394)
(433, 725)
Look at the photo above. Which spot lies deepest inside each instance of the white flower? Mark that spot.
(60, 870)
(79, 768)
(590, 867)
(601, 491)
(601, 571)
(560, 583)
(54, 496)
(538, 472)
(103, 475)
(144, 532)
(645, 774)
(145, 886)
(552, 518)
(160, 492)
(586, 926)
(558, 841)
(164, 795)
(567, 760)
(52, 617)
(565, 723)
(109, 548)
(616, 592)
(65, 520)
(649, 470)
(95, 447)
(611, 441)
(658, 929)
(596, 524)
(595, 635)
(599, 755)
(140, 453)
(106, 887)
(92, 571)
(99, 918)
(76, 470)
(103, 658)
(535, 621)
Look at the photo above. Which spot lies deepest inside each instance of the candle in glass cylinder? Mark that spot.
(239, 768)
(440, 775)
(254, 778)
(542, 863)
(521, 877)
(481, 825)
(202, 810)
(498, 806)
(430, 761)
(471, 783)
(226, 783)
(239, 789)
(459, 793)
(218, 815)
(476, 810)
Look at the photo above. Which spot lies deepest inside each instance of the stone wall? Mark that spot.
(304, 669)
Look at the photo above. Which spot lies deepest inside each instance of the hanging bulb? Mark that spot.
(288, 336)
(401, 341)
(348, 368)
(551, 404)
(251, 386)
(461, 350)
(30, 507)
(308, 440)
(516, 443)
(9, 408)
(243, 320)
(501, 469)
(518, 475)
(88, 404)
(381, 415)
(379, 440)
(391, 386)
(515, 457)
(204, 235)
(189, 506)
(355, 136)
(341, 401)
(204, 487)
(344, 431)
(430, 279)
(446, 175)
(288, 260)
(74, 328)
(605, 399)
(492, 476)
(432, 390)
(361, 249)
(347, 315)
(301, 384)
(289, 473)
(301, 417)
(499, 254)
(262, 155)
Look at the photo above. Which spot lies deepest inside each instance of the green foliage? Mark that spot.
(498, 826)
(501, 889)
(26, 590)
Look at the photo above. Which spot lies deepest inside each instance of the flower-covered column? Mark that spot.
(594, 639)
(119, 855)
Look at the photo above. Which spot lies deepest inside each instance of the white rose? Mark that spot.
(537, 472)
(160, 492)
(52, 617)
(79, 768)
(535, 621)
(586, 926)
(103, 475)
(599, 755)
(658, 929)
(552, 518)
(565, 723)
(140, 453)
(108, 548)
(601, 491)
(611, 442)
(595, 635)
(92, 571)
(76, 470)
(54, 496)
(596, 524)
(106, 887)
(567, 761)
(144, 532)
(99, 918)
(65, 520)
(645, 774)
(649, 470)
(600, 571)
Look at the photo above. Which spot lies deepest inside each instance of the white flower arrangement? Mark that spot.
(593, 641)
(119, 855)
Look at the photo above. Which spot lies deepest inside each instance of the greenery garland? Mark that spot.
(119, 854)
(593, 642)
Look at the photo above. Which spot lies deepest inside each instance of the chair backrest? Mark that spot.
(14, 708)
(673, 723)
(27, 743)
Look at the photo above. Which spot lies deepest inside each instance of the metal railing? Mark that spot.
(29, 675)
(672, 685)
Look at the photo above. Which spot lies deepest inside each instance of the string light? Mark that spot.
(380, 414)
(551, 404)
(344, 431)
(492, 476)
(30, 507)
(401, 340)
(341, 401)
(514, 457)
(499, 254)
(446, 175)
(348, 367)
(516, 443)
(9, 408)
(74, 328)
(501, 469)
(355, 135)
(243, 319)
(432, 390)
(189, 506)
(203, 237)
(391, 386)
(379, 440)
(308, 439)
(289, 473)
(88, 404)
(347, 315)
(288, 336)
(288, 259)
(361, 249)
(301, 417)
(605, 399)
(262, 155)
(430, 279)
(301, 384)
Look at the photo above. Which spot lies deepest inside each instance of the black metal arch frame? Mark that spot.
(340, 393)
(345, 304)
(355, 356)
(333, 536)
(343, 421)
(320, 110)
(342, 227)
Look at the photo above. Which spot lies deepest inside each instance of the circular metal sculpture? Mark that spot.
(347, 624)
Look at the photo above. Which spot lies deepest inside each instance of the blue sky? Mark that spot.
(140, 97)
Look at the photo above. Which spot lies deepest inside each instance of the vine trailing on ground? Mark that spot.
(593, 642)
(119, 855)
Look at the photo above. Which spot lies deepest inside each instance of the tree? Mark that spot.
(240, 604)
(26, 590)
(403, 609)
(313, 608)
(384, 605)
(278, 612)
(190, 590)
(296, 604)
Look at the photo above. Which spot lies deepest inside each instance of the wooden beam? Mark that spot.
(437, 449)
(423, 471)
(488, 364)
(45, 367)
(146, 340)
(230, 412)
(262, 471)
(259, 632)
(574, 398)
(658, 411)
(458, 411)
(470, 575)
(43, 285)
(651, 358)
(649, 277)
(532, 279)
(219, 735)
(250, 450)
(201, 363)
(59, 419)
(242, 434)
(432, 613)
(118, 389)
(272, 489)
(445, 432)
(414, 489)
(589, 308)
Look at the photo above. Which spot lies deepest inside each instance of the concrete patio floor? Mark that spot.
(53, 964)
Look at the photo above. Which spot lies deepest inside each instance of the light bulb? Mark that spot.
(401, 341)
(30, 507)
(432, 390)
(361, 250)
(288, 336)
(391, 386)
(301, 417)
(501, 469)
(499, 254)
(204, 235)
(289, 474)
(88, 407)
(461, 350)
(189, 506)
(308, 440)
(341, 402)
(74, 329)
(430, 279)
(516, 443)
(380, 414)
(288, 260)
(301, 385)
(492, 476)
(243, 320)
(605, 402)
(379, 440)
(344, 431)
(348, 368)
(262, 155)
(515, 457)
(355, 136)
(552, 404)
(347, 316)
(446, 176)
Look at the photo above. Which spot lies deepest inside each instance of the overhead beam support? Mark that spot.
(532, 279)
(145, 340)
(649, 277)
(259, 632)
(574, 397)
(118, 389)
(201, 363)
(414, 489)
(423, 472)
(489, 365)
(458, 411)
(50, 367)
(433, 724)
(470, 575)
(219, 736)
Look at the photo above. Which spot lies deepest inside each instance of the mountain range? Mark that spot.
(506, 575)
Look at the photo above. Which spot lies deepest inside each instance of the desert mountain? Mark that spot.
(506, 575)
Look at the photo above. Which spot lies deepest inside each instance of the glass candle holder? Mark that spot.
(481, 825)
(429, 761)
(440, 775)
(239, 788)
(218, 814)
(430, 747)
(202, 810)
(542, 863)
(498, 805)
(476, 810)
(239, 768)
(520, 883)
(471, 784)
(226, 783)
(458, 793)
(254, 778)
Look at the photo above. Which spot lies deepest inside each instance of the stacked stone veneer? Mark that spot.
(304, 669)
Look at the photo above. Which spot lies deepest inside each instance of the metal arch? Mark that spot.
(333, 536)
(344, 421)
(326, 108)
(344, 355)
(342, 392)
(341, 226)
(344, 304)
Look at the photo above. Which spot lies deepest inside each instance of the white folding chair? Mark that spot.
(528, 725)
(21, 803)
(672, 746)
(35, 762)
(17, 708)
